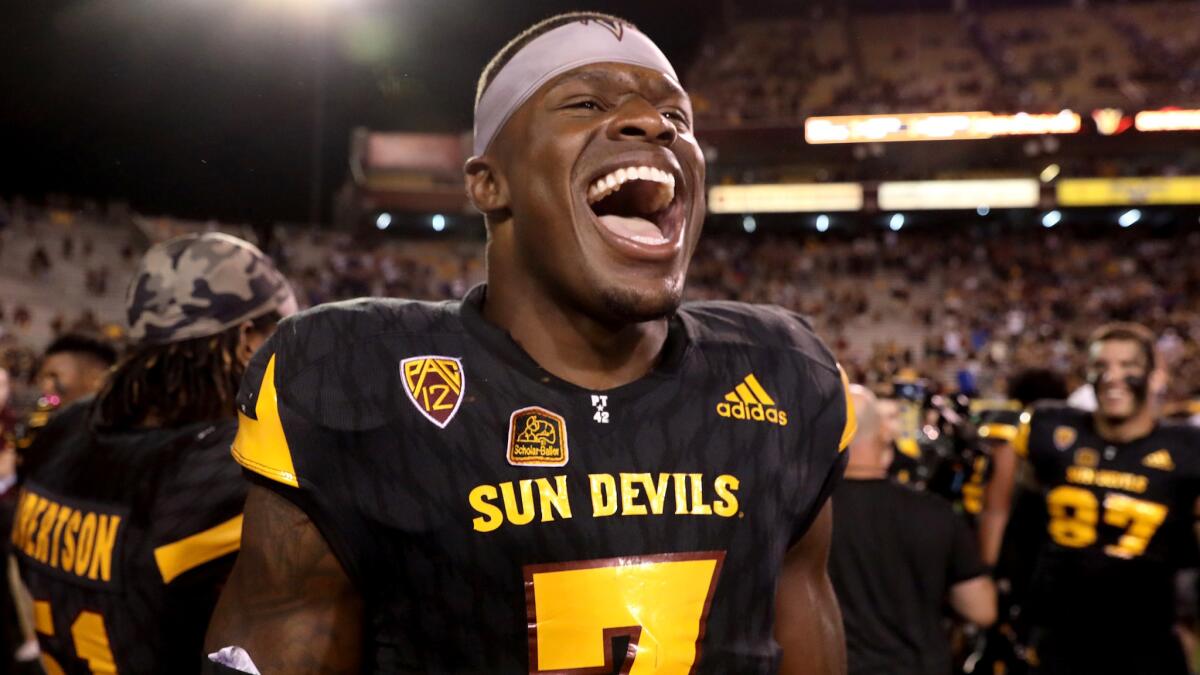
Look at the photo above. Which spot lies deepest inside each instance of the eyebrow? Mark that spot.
(663, 86)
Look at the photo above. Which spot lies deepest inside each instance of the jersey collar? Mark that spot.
(498, 341)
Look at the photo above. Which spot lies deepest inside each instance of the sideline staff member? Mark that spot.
(897, 557)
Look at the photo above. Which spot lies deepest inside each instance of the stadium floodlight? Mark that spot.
(749, 224)
(983, 210)
(822, 223)
(438, 222)
(896, 222)
(1051, 218)
(383, 221)
(1130, 217)
(1050, 173)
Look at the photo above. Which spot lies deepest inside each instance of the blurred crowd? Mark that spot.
(961, 307)
(780, 70)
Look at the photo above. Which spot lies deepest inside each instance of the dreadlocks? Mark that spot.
(175, 384)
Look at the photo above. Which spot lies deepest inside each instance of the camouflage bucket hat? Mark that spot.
(199, 285)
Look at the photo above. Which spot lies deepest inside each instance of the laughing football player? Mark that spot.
(569, 470)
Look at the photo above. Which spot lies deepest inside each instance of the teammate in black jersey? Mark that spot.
(127, 523)
(1116, 490)
(568, 471)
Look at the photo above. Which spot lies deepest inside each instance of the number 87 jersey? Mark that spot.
(1118, 520)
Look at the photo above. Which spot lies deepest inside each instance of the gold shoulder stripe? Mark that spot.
(260, 444)
(997, 431)
(851, 420)
(178, 557)
(909, 447)
(1020, 442)
(43, 620)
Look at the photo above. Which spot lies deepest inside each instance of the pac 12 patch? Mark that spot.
(435, 385)
(1064, 437)
(536, 437)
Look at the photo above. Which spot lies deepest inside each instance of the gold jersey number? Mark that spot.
(1075, 513)
(88, 634)
(660, 602)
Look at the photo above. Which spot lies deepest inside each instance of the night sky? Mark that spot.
(199, 109)
(206, 108)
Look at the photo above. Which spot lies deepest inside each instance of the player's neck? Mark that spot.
(865, 463)
(865, 473)
(1129, 429)
(572, 345)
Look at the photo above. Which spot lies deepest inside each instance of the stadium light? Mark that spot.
(1130, 217)
(749, 224)
(822, 223)
(438, 222)
(1050, 173)
(897, 222)
(383, 221)
(983, 210)
(1051, 218)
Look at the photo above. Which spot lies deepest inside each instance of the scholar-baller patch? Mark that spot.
(536, 437)
(435, 386)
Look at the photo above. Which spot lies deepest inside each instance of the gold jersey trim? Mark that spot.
(851, 420)
(260, 444)
(999, 431)
(190, 552)
(1021, 442)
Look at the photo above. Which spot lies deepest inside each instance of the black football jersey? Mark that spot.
(995, 421)
(1118, 523)
(498, 519)
(124, 540)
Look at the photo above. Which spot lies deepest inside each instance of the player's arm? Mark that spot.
(808, 622)
(997, 501)
(288, 603)
(1011, 472)
(972, 593)
(975, 600)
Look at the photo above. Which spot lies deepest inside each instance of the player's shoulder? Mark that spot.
(207, 447)
(1044, 413)
(719, 323)
(339, 327)
(1048, 425)
(1181, 434)
(997, 419)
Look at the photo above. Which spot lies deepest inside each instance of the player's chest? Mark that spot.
(1115, 497)
(504, 451)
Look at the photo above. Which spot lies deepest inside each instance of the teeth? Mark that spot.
(609, 184)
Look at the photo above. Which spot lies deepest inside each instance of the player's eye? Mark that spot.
(584, 104)
(675, 116)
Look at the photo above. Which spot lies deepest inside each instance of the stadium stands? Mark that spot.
(934, 300)
(1024, 59)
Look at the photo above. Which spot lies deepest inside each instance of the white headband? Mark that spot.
(564, 48)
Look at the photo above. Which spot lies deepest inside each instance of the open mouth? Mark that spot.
(637, 203)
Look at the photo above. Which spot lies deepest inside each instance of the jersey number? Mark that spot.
(1075, 512)
(88, 634)
(661, 602)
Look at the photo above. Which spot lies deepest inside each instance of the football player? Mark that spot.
(127, 525)
(73, 367)
(1117, 490)
(568, 471)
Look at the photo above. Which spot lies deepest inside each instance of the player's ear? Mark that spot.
(487, 188)
(249, 340)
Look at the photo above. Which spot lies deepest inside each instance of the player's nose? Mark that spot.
(637, 120)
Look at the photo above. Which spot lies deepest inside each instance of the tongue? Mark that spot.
(637, 229)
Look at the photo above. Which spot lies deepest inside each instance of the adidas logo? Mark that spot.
(749, 401)
(1159, 459)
